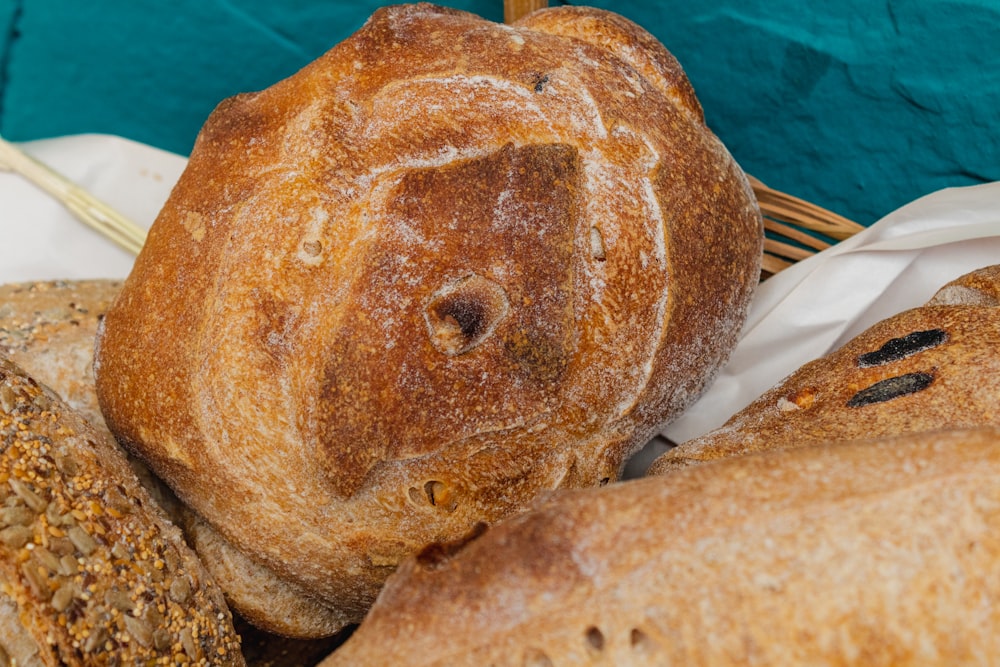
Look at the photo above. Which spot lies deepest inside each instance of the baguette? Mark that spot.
(865, 552)
(933, 367)
(445, 268)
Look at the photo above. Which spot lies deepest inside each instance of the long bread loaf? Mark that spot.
(861, 553)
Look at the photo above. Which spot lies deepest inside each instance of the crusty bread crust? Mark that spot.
(91, 571)
(862, 553)
(48, 328)
(447, 267)
(930, 368)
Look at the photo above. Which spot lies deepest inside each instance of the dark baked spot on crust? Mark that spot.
(638, 639)
(542, 357)
(902, 347)
(437, 554)
(595, 638)
(540, 83)
(463, 314)
(891, 388)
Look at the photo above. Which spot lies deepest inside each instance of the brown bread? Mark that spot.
(862, 553)
(445, 268)
(932, 367)
(48, 329)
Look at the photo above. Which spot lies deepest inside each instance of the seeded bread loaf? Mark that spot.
(445, 268)
(862, 553)
(91, 571)
(932, 367)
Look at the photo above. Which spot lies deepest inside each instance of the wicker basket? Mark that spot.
(794, 228)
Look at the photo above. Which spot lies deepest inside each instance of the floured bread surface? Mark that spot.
(863, 553)
(929, 368)
(91, 572)
(446, 267)
(48, 328)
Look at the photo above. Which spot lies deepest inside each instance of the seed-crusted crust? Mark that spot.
(447, 267)
(92, 572)
(929, 368)
(876, 553)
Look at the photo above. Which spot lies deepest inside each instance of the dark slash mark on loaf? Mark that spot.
(891, 388)
(905, 346)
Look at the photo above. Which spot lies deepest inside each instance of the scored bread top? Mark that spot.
(445, 267)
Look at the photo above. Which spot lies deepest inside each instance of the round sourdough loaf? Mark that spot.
(444, 268)
(875, 553)
(929, 368)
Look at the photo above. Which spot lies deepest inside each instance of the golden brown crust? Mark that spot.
(929, 368)
(255, 592)
(870, 552)
(92, 569)
(392, 297)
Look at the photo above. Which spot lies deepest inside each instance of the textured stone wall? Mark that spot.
(856, 105)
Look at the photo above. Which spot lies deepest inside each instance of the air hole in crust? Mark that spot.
(595, 638)
(597, 245)
(902, 347)
(312, 248)
(434, 491)
(534, 657)
(463, 313)
(638, 639)
(436, 494)
(891, 388)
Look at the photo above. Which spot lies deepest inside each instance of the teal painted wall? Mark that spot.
(858, 106)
